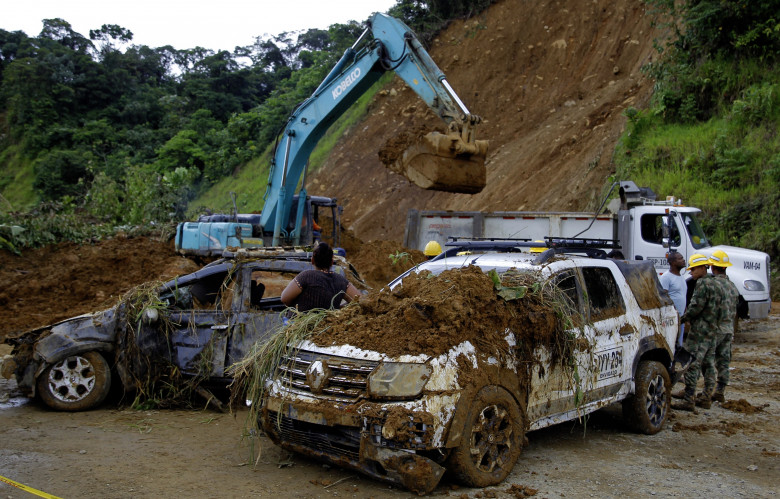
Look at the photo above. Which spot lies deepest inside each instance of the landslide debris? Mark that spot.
(381, 261)
(428, 314)
(56, 282)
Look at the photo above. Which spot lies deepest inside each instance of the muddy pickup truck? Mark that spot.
(449, 394)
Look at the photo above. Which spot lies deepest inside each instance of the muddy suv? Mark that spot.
(195, 326)
(403, 410)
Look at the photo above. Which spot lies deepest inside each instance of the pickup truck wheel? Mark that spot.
(75, 383)
(647, 410)
(492, 439)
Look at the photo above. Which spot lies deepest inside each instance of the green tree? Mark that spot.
(716, 49)
(108, 35)
(62, 173)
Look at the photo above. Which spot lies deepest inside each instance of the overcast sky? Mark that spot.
(213, 24)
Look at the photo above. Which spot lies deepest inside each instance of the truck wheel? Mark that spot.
(646, 411)
(75, 383)
(492, 439)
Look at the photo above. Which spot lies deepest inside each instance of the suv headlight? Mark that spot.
(398, 380)
(751, 285)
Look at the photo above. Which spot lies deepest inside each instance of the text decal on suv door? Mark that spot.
(610, 363)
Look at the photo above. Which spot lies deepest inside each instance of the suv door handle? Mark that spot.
(219, 326)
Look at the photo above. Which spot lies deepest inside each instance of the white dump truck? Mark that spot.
(643, 227)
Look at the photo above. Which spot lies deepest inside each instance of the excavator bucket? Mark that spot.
(439, 162)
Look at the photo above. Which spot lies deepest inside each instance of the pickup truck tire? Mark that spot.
(492, 439)
(647, 410)
(76, 383)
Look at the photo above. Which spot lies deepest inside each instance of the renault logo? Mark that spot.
(317, 375)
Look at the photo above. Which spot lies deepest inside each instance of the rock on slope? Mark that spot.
(551, 79)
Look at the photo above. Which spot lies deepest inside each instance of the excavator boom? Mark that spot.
(453, 162)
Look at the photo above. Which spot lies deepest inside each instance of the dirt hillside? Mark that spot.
(551, 80)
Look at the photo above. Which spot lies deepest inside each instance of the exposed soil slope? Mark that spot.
(551, 80)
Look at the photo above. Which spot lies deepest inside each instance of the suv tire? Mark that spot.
(648, 408)
(492, 439)
(76, 383)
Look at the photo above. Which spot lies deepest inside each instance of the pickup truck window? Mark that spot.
(645, 286)
(604, 298)
(566, 281)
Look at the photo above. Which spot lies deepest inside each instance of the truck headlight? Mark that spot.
(398, 380)
(752, 285)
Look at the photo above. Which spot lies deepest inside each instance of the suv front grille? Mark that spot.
(346, 378)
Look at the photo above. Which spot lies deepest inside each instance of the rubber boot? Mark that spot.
(718, 396)
(679, 394)
(704, 400)
(687, 403)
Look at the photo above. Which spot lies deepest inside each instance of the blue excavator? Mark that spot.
(453, 161)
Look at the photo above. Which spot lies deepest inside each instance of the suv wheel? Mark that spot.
(492, 439)
(75, 383)
(648, 408)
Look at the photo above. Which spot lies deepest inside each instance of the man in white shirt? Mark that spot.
(675, 284)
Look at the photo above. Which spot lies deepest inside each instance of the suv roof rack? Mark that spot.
(593, 248)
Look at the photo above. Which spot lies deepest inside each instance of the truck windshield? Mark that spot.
(698, 239)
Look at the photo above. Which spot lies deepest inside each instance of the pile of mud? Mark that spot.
(50, 284)
(742, 406)
(379, 262)
(429, 314)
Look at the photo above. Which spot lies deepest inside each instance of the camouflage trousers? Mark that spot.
(715, 365)
(699, 345)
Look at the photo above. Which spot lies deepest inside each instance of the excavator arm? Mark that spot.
(453, 162)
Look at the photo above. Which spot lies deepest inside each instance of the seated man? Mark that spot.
(321, 287)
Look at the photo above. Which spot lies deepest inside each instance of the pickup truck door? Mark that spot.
(610, 333)
(257, 315)
(601, 337)
(551, 394)
(199, 333)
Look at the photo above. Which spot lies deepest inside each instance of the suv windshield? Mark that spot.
(698, 239)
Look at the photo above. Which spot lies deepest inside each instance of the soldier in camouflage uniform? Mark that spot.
(720, 358)
(703, 314)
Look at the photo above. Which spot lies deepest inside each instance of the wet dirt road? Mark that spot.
(719, 452)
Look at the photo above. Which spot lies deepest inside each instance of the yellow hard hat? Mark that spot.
(697, 260)
(432, 248)
(719, 258)
(538, 249)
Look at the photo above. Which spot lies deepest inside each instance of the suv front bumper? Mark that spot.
(369, 438)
